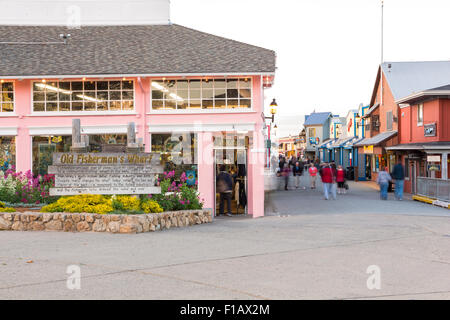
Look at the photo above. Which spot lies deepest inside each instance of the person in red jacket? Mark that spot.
(328, 175)
(340, 179)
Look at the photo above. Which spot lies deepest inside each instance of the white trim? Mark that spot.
(8, 115)
(50, 77)
(424, 94)
(8, 131)
(199, 127)
(121, 128)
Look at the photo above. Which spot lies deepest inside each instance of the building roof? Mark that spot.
(376, 140)
(340, 142)
(443, 91)
(372, 109)
(317, 118)
(128, 50)
(326, 143)
(406, 78)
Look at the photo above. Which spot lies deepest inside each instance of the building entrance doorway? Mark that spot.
(234, 162)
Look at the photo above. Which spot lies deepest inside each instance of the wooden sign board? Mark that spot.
(105, 173)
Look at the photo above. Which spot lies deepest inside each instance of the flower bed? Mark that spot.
(113, 223)
(24, 188)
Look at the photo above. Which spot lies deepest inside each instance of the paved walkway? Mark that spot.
(362, 197)
(317, 250)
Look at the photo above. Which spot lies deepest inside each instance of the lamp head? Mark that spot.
(273, 107)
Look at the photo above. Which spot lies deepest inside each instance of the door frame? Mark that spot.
(215, 175)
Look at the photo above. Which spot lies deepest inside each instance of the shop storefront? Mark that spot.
(373, 155)
(179, 105)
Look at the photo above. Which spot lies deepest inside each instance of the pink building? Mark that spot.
(180, 87)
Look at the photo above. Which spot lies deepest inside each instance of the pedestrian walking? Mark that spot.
(312, 176)
(383, 180)
(340, 179)
(328, 175)
(398, 174)
(297, 171)
(286, 171)
(224, 186)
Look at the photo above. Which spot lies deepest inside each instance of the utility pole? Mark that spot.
(382, 50)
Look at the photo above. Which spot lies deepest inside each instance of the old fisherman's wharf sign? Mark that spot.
(105, 173)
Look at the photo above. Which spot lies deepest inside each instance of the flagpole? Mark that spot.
(382, 49)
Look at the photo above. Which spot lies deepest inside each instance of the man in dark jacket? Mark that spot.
(398, 174)
(224, 186)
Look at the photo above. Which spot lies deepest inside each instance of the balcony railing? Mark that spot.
(433, 188)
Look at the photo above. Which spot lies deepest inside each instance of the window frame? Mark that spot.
(58, 112)
(189, 110)
(8, 113)
(420, 109)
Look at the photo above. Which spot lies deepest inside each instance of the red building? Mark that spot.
(408, 121)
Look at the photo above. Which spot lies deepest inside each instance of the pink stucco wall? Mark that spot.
(23, 120)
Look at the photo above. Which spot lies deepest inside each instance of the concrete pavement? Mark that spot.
(309, 248)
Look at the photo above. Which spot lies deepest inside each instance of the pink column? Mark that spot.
(256, 175)
(205, 153)
(23, 139)
(23, 150)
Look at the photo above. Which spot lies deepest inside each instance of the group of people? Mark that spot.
(333, 177)
(385, 178)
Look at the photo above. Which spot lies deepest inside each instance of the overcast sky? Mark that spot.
(328, 51)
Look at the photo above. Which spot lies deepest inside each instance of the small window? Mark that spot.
(420, 114)
(389, 120)
(6, 97)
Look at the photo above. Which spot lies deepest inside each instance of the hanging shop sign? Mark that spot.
(433, 158)
(105, 173)
(430, 130)
(368, 149)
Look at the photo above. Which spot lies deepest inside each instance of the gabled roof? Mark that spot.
(115, 50)
(317, 118)
(376, 140)
(406, 78)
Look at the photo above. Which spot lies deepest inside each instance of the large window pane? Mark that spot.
(7, 86)
(114, 85)
(208, 104)
(89, 86)
(127, 85)
(220, 104)
(245, 103)
(157, 104)
(202, 94)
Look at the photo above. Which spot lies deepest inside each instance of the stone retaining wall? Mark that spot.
(85, 222)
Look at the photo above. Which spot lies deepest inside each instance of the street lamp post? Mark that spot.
(273, 111)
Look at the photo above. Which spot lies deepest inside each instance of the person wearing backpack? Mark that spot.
(224, 186)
